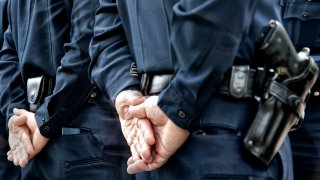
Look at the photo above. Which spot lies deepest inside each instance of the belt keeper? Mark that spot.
(239, 81)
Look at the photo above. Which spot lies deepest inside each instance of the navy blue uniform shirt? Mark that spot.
(205, 39)
(46, 39)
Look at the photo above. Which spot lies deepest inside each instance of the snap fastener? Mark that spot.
(93, 94)
(305, 14)
(33, 94)
(47, 128)
(181, 114)
(294, 101)
(250, 143)
(64, 109)
(67, 165)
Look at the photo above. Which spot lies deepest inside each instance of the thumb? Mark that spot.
(20, 120)
(137, 111)
(19, 112)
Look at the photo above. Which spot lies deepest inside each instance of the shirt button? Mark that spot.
(316, 93)
(181, 114)
(47, 128)
(305, 14)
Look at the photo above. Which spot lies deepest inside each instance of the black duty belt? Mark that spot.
(244, 82)
(241, 82)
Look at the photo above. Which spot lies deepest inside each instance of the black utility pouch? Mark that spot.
(38, 88)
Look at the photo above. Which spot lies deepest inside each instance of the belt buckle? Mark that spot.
(154, 84)
(145, 84)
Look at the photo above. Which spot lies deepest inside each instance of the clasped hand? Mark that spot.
(153, 138)
(25, 139)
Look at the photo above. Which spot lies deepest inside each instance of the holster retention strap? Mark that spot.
(287, 97)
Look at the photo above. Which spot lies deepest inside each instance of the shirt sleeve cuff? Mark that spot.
(180, 111)
(133, 84)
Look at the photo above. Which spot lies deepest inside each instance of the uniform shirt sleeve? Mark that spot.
(205, 38)
(72, 85)
(110, 54)
(12, 87)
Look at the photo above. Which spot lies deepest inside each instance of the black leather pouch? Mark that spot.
(38, 88)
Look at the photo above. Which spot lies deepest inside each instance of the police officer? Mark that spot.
(180, 51)
(7, 169)
(75, 133)
(302, 20)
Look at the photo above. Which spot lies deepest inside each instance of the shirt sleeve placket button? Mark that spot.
(181, 114)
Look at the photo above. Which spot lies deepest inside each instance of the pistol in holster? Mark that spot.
(283, 99)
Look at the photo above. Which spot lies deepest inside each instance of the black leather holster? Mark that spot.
(282, 112)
